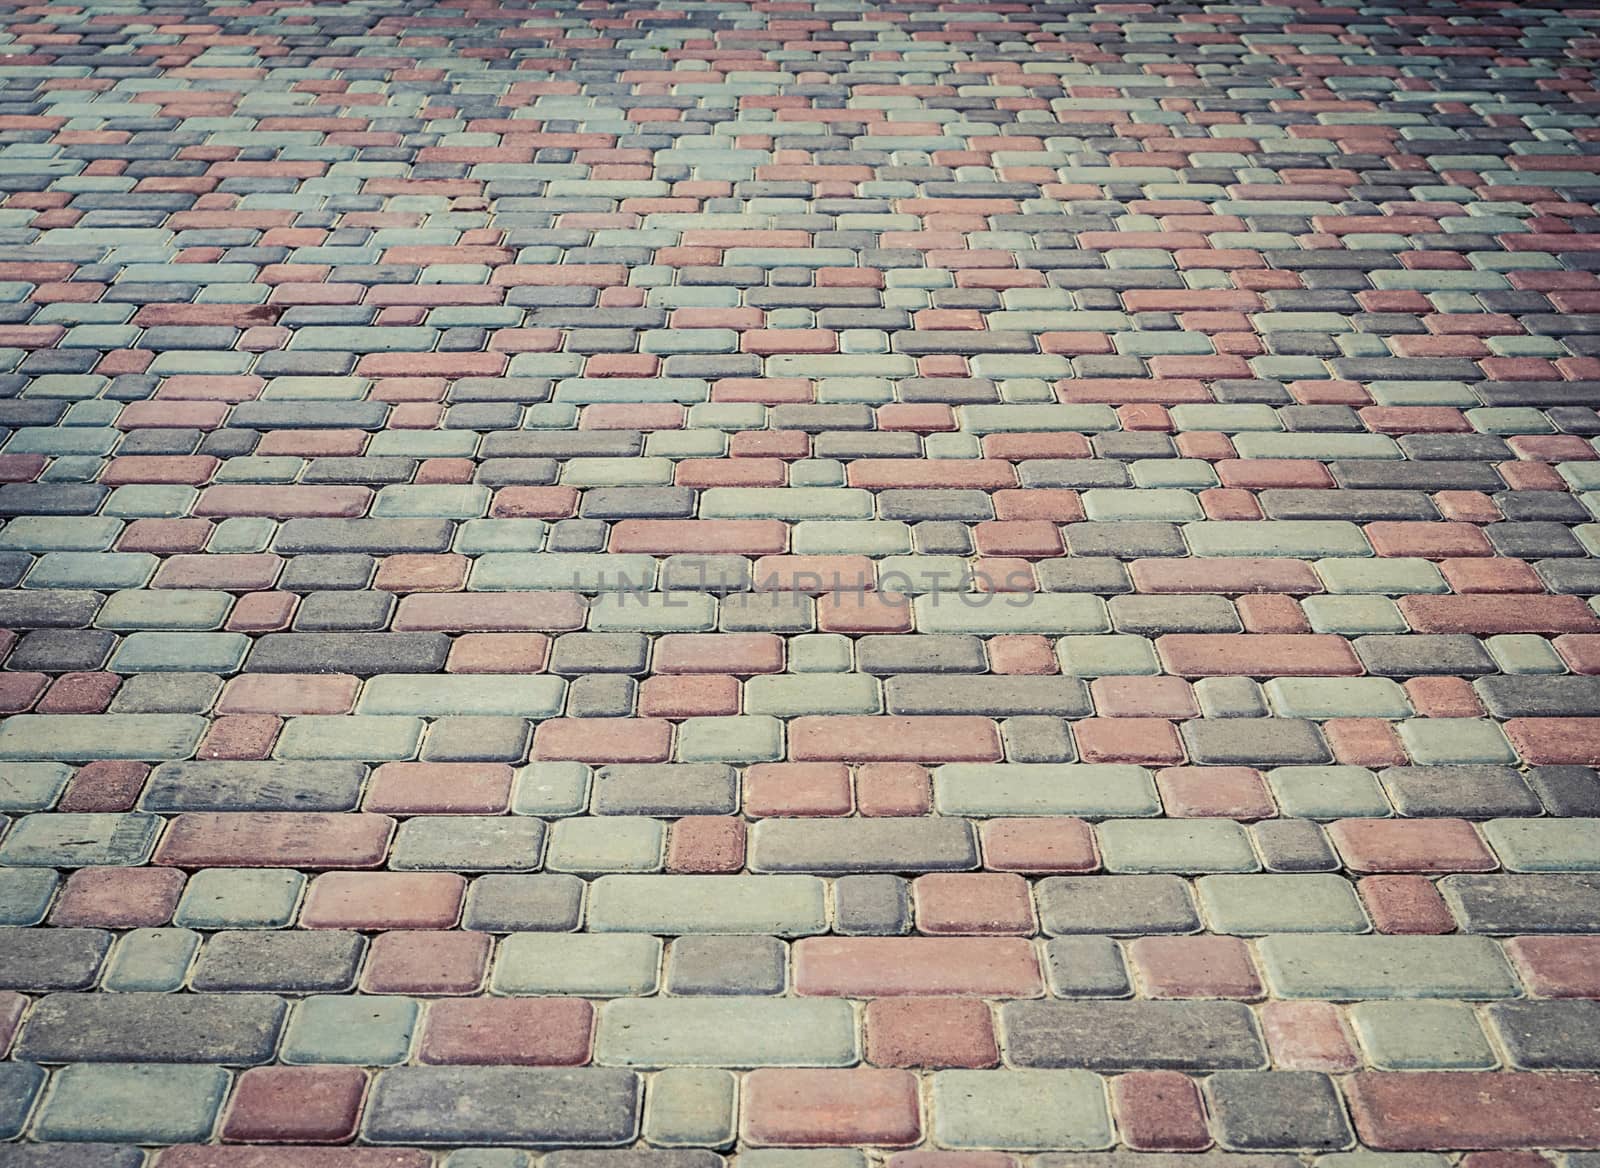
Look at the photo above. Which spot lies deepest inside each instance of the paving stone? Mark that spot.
(871, 905)
(1262, 904)
(366, 1030)
(254, 786)
(862, 845)
(1112, 1036)
(1408, 1036)
(687, 1106)
(1277, 1111)
(780, 905)
(1517, 903)
(1326, 966)
(451, 1106)
(1022, 1110)
(726, 1032)
(727, 965)
(238, 1029)
(290, 961)
(1116, 904)
(1547, 1035)
(596, 966)
(511, 903)
(148, 1104)
(666, 789)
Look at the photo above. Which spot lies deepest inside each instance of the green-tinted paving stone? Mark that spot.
(86, 737)
(365, 1030)
(817, 694)
(1292, 538)
(367, 738)
(613, 843)
(1391, 577)
(442, 501)
(1455, 740)
(850, 537)
(1012, 789)
(1328, 792)
(239, 898)
(578, 571)
(105, 571)
(1175, 845)
(1352, 967)
(151, 960)
(80, 840)
(551, 788)
(25, 894)
(437, 695)
(1051, 613)
(1524, 653)
(1353, 615)
(600, 965)
(141, 608)
(1337, 697)
(653, 612)
(1270, 903)
(162, 652)
(750, 738)
(691, 1107)
(786, 503)
(32, 786)
(1545, 845)
(1109, 655)
(726, 1032)
(779, 905)
(152, 1104)
(1023, 1111)
(1415, 1036)
(1173, 506)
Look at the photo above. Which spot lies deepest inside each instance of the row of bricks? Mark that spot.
(1022, 685)
(1155, 1111)
(1092, 382)
(611, 737)
(717, 844)
(1194, 610)
(1008, 522)
(607, 735)
(997, 903)
(726, 1024)
(252, 568)
(556, 790)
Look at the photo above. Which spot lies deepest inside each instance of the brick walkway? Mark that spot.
(814, 582)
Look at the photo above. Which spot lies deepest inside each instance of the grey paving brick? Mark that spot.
(727, 965)
(1549, 1035)
(253, 786)
(236, 1029)
(1277, 1111)
(1116, 1036)
(1523, 903)
(511, 903)
(862, 845)
(1116, 905)
(541, 1107)
(665, 789)
(301, 962)
(726, 1032)
(871, 905)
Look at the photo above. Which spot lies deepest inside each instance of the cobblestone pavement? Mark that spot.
(814, 582)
